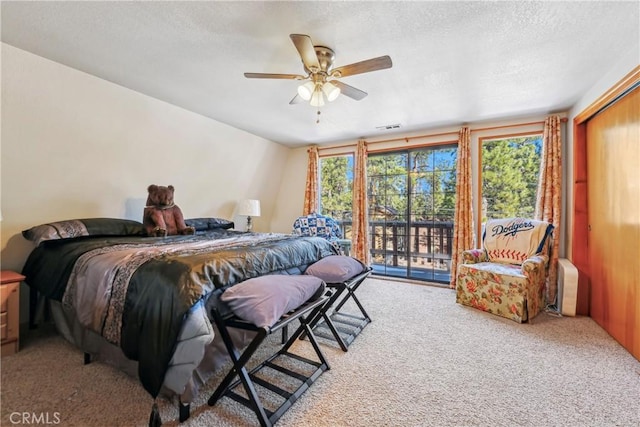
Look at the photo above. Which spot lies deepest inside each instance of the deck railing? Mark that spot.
(419, 245)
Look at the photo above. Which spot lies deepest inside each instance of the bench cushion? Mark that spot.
(336, 268)
(264, 300)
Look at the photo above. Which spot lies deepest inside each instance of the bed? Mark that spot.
(141, 302)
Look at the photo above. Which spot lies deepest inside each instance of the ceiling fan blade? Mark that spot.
(373, 64)
(274, 76)
(349, 91)
(306, 50)
(296, 100)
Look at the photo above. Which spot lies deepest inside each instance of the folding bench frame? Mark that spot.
(344, 327)
(248, 379)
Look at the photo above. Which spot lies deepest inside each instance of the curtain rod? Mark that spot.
(431, 135)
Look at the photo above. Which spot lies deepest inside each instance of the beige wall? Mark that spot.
(290, 198)
(76, 146)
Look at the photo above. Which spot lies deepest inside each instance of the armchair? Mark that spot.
(323, 226)
(507, 277)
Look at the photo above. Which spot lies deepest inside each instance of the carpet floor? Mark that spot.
(423, 361)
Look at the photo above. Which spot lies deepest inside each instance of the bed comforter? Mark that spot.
(136, 292)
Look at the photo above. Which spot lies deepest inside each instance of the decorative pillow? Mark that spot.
(83, 227)
(317, 225)
(264, 300)
(513, 240)
(336, 268)
(203, 224)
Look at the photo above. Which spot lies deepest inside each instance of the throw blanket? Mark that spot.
(97, 287)
(513, 240)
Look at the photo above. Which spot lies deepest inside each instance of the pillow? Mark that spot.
(513, 240)
(317, 225)
(336, 268)
(83, 227)
(203, 224)
(265, 299)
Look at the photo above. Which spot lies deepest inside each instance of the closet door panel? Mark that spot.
(613, 170)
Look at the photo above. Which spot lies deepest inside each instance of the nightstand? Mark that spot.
(10, 311)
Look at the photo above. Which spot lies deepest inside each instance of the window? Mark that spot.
(509, 174)
(336, 190)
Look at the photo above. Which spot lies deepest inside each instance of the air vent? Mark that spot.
(388, 127)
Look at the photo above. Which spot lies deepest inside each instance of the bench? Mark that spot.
(229, 313)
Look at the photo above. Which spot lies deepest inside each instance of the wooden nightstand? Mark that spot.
(10, 311)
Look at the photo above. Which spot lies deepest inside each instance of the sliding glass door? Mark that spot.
(411, 204)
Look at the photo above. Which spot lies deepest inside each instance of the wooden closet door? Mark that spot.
(613, 176)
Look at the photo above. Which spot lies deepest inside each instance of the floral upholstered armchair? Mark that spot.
(508, 275)
(323, 226)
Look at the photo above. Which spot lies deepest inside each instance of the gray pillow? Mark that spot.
(204, 224)
(336, 268)
(265, 299)
(69, 229)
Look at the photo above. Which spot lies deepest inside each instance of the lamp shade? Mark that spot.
(249, 207)
(331, 91)
(317, 100)
(306, 90)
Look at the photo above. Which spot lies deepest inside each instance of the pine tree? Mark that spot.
(510, 170)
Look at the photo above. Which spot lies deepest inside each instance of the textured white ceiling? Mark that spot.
(453, 62)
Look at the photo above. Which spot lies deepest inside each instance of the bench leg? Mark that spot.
(323, 316)
(352, 325)
(247, 379)
(184, 410)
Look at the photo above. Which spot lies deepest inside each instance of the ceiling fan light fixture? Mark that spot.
(331, 91)
(317, 100)
(322, 78)
(306, 90)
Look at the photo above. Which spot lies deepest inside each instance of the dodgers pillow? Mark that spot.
(265, 299)
(513, 240)
(336, 268)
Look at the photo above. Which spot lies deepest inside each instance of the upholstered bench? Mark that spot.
(266, 305)
(342, 275)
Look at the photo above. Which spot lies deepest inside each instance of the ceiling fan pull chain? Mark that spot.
(318, 120)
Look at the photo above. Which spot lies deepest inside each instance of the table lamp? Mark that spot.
(249, 208)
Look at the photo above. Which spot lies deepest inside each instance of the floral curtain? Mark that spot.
(463, 216)
(548, 206)
(360, 227)
(311, 190)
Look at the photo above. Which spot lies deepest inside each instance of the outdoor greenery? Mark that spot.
(336, 186)
(412, 199)
(417, 184)
(426, 175)
(510, 169)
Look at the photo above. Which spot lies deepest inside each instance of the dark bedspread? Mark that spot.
(157, 280)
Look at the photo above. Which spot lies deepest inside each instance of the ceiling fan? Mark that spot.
(322, 80)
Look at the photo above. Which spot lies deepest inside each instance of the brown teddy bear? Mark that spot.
(161, 216)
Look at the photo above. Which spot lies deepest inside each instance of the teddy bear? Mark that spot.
(161, 215)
